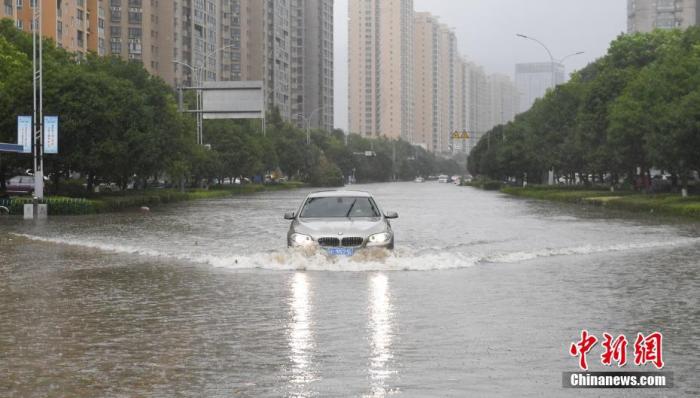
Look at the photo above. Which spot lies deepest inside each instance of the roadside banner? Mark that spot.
(50, 134)
(24, 133)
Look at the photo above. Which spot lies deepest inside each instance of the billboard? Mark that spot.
(24, 133)
(233, 100)
(50, 134)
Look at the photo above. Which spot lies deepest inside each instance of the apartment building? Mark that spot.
(190, 36)
(312, 66)
(647, 15)
(426, 90)
(478, 105)
(381, 63)
(446, 94)
(76, 25)
(288, 44)
(132, 24)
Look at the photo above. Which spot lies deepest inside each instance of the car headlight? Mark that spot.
(301, 240)
(379, 239)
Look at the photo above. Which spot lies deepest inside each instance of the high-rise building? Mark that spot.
(312, 66)
(439, 84)
(447, 75)
(381, 34)
(478, 105)
(426, 48)
(647, 15)
(289, 46)
(195, 39)
(504, 98)
(76, 26)
(534, 79)
(135, 31)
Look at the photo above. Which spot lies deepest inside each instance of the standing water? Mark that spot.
(482, 296)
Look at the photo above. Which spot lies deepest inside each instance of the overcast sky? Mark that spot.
(486, 32)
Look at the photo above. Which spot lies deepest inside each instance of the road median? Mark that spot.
(663, 204)
(122, 201)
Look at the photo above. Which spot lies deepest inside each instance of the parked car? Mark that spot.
(21, 185)
(340, 223)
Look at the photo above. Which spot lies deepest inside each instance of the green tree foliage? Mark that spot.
(119, 124)
(635, 108)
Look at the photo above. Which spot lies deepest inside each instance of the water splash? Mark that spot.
(401, 259)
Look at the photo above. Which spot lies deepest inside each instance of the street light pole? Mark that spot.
(552, 60)
(199, 76)
(307, 121)
(196, 81)
(204, 77)
(38, 98)
(551, 57)
(554, 82)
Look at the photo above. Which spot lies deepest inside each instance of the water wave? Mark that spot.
(516, 257)
(401, 259)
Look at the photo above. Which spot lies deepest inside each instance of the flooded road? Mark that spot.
(482, 296)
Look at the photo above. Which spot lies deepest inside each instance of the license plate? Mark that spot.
(340, 251)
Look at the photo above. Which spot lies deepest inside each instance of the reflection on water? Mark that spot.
(301, 342)
(380, 325)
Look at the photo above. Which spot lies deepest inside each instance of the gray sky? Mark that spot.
(486, 34)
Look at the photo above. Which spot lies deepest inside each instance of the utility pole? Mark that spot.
(38, 98)
(393, 160)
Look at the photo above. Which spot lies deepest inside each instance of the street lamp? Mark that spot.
(199, 74)
(552, 60)
(561, 61)
(307, 121)
(197, 83)
(554, 83)
(551, 57)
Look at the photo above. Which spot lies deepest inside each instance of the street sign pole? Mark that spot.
(38, 85)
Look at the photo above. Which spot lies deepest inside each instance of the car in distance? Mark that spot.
(341, 223)
(20, 185)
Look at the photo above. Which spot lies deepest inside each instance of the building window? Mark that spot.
(116, 46)
(135, 15)
(116, 14)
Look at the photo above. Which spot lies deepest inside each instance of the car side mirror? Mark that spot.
(289, 216)
(391, 215)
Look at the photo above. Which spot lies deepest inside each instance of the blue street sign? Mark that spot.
(11, 148)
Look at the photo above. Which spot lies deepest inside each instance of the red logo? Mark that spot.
(582, 347)
(646, 349)
(614, 350)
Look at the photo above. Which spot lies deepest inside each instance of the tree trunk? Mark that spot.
(56, 181)
(90, 182)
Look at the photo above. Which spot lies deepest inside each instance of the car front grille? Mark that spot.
(329, 242)
(352, 241)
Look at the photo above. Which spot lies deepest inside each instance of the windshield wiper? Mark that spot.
(350, 209)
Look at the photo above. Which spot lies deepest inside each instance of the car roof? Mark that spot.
(340, 193)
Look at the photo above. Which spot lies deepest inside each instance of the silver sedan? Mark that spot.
(340, 222)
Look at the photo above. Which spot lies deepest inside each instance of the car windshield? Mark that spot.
(337, 207)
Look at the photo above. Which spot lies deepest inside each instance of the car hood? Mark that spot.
(343, 226)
